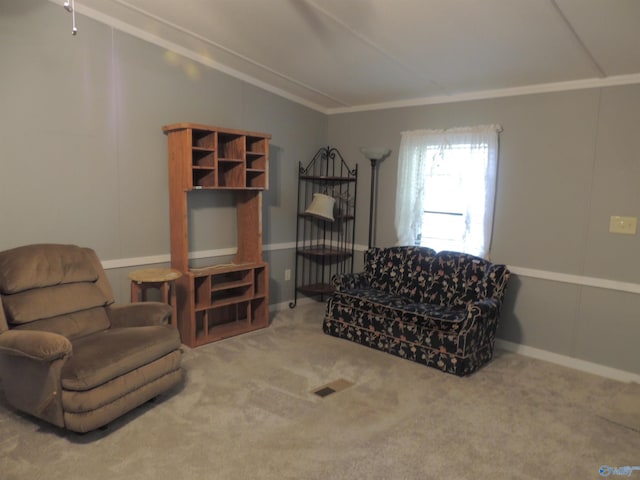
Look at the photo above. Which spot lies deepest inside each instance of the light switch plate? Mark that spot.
(623, 225)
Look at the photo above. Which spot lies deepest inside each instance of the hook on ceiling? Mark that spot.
(69, 6)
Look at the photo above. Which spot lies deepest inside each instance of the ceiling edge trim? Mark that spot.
(578, 39)
(498, 93)
(155, 40)
(415, 102)
(210, 43)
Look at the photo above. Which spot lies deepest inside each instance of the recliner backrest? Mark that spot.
(55, 288)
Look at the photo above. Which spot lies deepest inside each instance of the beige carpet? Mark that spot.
(247, 411)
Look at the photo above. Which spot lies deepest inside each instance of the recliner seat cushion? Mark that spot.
(87, 400)
(90, 420)
(106, 355)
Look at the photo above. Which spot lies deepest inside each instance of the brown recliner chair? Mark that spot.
(68, 355)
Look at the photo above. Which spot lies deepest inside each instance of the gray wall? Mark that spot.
(84, 159)
(568, 161)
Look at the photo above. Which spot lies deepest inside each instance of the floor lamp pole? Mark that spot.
(372, 217)
(374, 155)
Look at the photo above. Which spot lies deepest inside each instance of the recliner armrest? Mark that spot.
(34, 344)
(139, 314)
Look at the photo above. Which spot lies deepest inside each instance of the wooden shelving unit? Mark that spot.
(323, 247)
(219, 301)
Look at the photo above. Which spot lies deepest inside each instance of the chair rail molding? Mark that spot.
(166, 258)
(586, 281)
(582, 280)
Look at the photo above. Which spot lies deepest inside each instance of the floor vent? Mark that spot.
(333, 387)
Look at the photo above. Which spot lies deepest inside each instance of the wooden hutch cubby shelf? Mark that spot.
(324, 246)
(219, 301)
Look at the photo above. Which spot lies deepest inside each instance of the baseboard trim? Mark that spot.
(545, 355)
(276, 307)
(565, 361)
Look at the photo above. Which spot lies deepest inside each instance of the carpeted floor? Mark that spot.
(247, 411)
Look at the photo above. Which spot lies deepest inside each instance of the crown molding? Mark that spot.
(497, 93)
(611, 81)
(195, 56)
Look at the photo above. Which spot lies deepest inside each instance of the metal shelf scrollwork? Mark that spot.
(324, 240)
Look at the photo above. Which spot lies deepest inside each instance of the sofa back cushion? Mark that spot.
(459, 278)
(53, 288)
(495, 282)
(394, 269)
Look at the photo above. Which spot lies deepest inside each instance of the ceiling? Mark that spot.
(346, 55)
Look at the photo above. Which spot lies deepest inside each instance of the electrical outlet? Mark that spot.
(624, 225)
(287, 275)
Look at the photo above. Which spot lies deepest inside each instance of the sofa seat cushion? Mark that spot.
(386, 307)
(370, 298)
(436, 317)
(379, 324)
(101, 357)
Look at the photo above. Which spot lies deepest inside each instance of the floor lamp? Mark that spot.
(374, 155)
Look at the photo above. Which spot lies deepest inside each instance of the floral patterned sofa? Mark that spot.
(438, 309)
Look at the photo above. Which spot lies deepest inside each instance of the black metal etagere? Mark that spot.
(324, 247)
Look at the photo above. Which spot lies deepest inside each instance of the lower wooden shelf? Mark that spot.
(325, 251)
(222, 301)
(316, 289)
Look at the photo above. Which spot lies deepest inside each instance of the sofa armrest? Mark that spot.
(483, 308)
(34, 344)
(139, 314)
(343, 281)
(480, 313)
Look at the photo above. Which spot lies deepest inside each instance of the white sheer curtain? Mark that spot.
(478, 178)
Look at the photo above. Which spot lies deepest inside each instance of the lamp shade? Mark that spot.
(322, 206)
(375, 153)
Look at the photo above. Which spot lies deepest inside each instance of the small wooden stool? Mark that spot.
(157, 278)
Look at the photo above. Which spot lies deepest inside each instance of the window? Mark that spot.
(446, 188)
